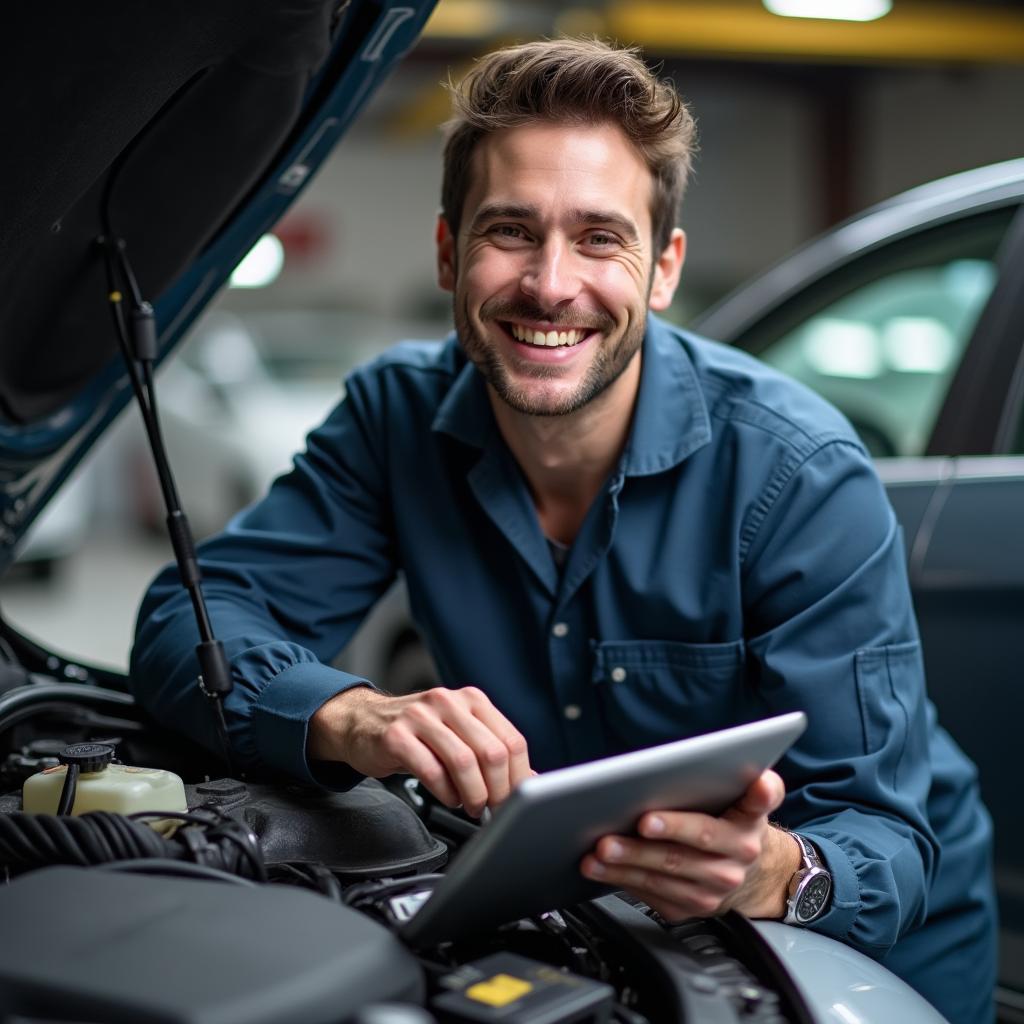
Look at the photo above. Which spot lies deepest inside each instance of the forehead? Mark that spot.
(557, 168)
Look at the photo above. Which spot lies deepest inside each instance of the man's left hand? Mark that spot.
(686, 864)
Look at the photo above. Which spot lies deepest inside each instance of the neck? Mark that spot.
(566, 459)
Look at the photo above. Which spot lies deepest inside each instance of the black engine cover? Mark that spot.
(92, 945)
(367, 832)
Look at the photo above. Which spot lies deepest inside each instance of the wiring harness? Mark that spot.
(206, 839)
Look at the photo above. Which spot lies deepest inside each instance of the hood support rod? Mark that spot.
(139, 349)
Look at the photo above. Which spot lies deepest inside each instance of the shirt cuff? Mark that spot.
(846, 901)
(280, 722)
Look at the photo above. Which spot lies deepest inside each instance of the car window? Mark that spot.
(883, 337)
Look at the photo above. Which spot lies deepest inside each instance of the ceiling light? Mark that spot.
(918, 344)
(835, 10)
(261, 265)
(835, 347)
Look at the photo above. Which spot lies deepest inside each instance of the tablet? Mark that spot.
(526, 860)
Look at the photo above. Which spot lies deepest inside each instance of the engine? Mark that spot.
(262, 902)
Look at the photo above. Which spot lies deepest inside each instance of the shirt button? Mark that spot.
(572, 711)
(618, 674)
(560, 629)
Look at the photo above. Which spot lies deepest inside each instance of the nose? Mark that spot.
(550, 277)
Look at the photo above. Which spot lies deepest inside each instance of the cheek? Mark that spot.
(487, 276)
(621, 288)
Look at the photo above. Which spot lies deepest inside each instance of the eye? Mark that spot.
(507, 232)
(601, 241)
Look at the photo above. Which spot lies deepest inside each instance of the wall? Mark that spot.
(756, 194)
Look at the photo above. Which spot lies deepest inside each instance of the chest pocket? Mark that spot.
(654, 691)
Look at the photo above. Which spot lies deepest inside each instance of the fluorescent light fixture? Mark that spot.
(834, 10)
(834, 347)
(261, 265)
(970, 280)
(918, 344)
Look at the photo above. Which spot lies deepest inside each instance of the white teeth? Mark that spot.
(550, 339)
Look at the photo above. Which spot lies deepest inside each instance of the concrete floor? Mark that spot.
(86, 609)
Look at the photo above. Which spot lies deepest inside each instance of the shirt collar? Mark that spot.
(671, 420)
(465, 412)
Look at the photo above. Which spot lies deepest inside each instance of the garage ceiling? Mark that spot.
(914, 31)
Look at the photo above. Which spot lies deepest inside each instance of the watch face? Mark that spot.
(813, 897)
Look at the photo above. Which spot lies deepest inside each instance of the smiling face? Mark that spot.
(552, 272)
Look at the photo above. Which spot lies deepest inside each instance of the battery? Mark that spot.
(513, 989)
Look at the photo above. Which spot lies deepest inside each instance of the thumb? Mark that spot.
(762, 797)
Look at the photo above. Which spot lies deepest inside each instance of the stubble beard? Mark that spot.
(608, 364)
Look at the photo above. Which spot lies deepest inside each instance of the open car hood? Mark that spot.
(185, 129)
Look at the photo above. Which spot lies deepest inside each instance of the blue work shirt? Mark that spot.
(741, 561)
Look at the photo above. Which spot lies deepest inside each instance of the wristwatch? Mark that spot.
(810, 889)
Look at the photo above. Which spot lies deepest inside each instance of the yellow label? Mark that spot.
(500, 990)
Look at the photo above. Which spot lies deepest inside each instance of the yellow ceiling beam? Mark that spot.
(422, 114)
(961, 34)
(465, 19)
(735, 30)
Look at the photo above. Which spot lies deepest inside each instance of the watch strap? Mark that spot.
(810, 890)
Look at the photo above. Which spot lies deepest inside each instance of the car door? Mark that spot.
(918, 339)
(968, 581)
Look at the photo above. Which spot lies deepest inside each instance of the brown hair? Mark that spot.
(579, 81)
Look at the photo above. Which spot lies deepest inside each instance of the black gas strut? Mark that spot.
(136, 335)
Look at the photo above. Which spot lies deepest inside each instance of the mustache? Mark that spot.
(569, 318)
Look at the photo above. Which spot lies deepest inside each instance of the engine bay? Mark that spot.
(266, 901)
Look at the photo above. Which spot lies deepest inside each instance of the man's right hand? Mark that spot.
(456, 742)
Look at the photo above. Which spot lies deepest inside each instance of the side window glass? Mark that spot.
(883, 343)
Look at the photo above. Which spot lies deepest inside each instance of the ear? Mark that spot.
(667, 269)
(445, 242)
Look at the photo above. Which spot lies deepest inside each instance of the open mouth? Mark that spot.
(546, 339)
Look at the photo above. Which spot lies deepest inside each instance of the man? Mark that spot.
(620, 535)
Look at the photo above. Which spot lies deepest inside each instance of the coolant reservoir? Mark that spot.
(103, 786)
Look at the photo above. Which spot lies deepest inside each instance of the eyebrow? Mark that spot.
(515, 211)
(622, 224)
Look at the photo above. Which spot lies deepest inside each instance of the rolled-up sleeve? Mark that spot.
(286, 585)
(832, 632)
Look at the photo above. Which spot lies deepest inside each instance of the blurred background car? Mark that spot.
(241, 395)
(60, 530)
(910, 319)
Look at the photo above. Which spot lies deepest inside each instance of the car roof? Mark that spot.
(984, 188)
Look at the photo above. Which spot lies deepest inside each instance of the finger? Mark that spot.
(723, 836)
(688, 898)
(458, 758)
(514, 741)
(500, 748)
(493, 757)
(416, 758)
(719, 874)
(762, 797)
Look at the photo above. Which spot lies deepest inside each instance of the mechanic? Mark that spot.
(620, 534)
